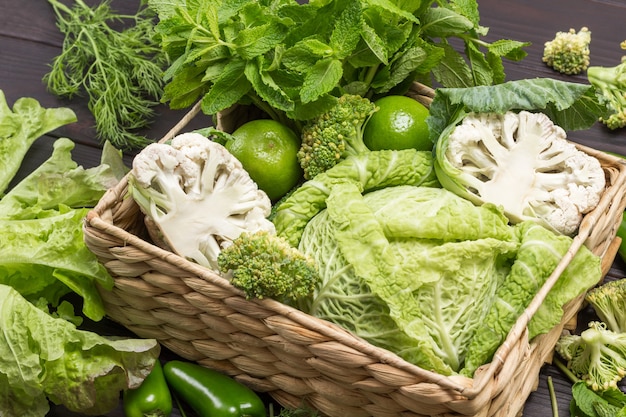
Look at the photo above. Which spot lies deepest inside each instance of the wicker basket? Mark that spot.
(299, 359)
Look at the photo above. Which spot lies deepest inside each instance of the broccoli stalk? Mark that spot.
(609, 302)
(568, 52)
(610, 84)
(597, 355)
(263, 264)
(334, 135)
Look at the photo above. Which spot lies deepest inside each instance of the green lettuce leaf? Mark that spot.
(42, 249)
(20, 128)
(43, 358)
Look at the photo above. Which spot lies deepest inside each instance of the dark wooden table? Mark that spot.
(29, 40)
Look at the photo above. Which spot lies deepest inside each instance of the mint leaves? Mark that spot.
(292, 60)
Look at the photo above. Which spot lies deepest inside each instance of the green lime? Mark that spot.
(399, 123)
(267, 149)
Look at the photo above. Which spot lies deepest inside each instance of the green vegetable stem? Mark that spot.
(210, 393)
(152, 398)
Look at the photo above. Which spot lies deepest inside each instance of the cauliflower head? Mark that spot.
(523, 163)
(197, 197)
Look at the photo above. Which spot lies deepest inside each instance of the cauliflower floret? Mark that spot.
(197, 197)
(524, 163)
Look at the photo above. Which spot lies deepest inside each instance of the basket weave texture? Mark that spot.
(299, 359)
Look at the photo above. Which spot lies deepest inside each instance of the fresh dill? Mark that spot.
(120, 71)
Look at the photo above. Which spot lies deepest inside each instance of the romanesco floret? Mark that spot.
(568, 52)
(263, 264)
(610, 84)
(609, 302)
(334, 135)
(597, 355)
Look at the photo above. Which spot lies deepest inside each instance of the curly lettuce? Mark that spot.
(43, 358)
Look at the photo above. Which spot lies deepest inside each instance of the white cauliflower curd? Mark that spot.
(524, 163)
(196, 196)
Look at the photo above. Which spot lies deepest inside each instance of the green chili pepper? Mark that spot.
(151, 399)
(210, 393)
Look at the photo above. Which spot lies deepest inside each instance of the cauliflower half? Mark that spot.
(523, 163)
(197, 197)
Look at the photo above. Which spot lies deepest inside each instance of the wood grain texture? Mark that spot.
(29, 40)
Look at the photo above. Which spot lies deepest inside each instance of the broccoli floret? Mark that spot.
(334, 135)
(263, 264)
(568, 52)
(609, 302)
(597, 355)
(610, 84)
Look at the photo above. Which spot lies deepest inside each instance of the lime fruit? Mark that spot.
(268, 150)
(399, 123)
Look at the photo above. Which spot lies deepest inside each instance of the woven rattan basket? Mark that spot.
(299, 359)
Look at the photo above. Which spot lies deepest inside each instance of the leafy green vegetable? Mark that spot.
(372, 170)
(419, 271)
(292, 60)
(41, 217)
(119, 71)
(589, 403)
(571, 106)
(43, 252)
(42, 356)
(20, 127)
(539, 253)
(401, 253)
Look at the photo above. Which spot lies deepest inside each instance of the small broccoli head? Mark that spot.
(334, 135)
(196, 197)
(609, 302)
(597, 355)
(263, 264)
(610, 84)
(568, 52)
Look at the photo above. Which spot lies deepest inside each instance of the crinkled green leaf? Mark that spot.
(570, 105)
(228, 89)
(441, 22)
(434, 286)
(266, 87)
(401, 69)
(347, 30)
(539, 253)
(43, 358)
(257, 40)
(452, 71)
(373, 170)
(42, 253)
(481, 67)
(321, 79)
(20, 127)
(510, 49)
(59, 181)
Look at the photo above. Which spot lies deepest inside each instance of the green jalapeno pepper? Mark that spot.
(151, 399)
(210, 393)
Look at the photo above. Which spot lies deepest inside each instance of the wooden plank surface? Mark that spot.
(29, 40)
